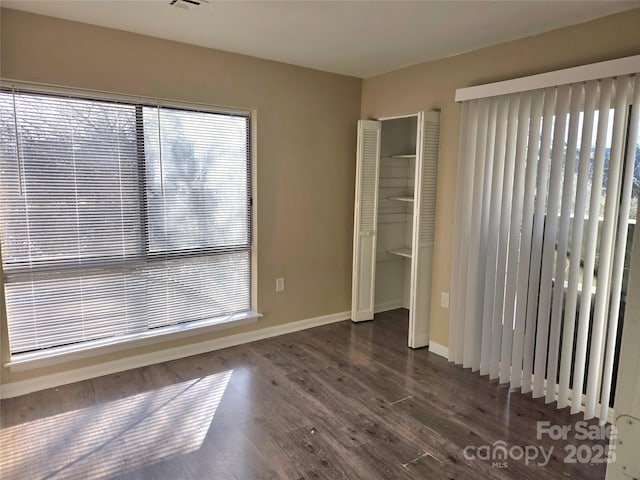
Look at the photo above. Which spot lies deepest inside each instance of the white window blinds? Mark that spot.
(120, 218)
(545, 187)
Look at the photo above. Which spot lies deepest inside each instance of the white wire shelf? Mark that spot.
(403, 252)
(402, 199)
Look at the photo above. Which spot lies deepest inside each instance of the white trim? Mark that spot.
(438, 349)
(79, 92)
(360, 317)
(583, 73)
(22, 387)
(398, 117)
(387, 306)
(102, 346)
(253, 132)
(418, 341)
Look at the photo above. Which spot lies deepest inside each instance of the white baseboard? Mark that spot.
(421, 341)
(439, 349)
(22, 387)
(386, 306)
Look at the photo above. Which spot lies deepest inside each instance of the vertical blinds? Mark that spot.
(545, 183)
(119, 218)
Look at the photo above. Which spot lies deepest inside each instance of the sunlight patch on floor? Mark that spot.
(116, 437)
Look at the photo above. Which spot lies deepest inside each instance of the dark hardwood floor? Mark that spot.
(343, 401)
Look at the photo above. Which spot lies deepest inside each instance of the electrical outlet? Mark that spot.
(280, 284)
(444, 300)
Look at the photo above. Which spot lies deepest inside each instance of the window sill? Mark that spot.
(94, 348)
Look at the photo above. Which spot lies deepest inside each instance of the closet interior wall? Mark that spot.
(395, 213)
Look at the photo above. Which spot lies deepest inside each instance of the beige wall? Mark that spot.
(306, 135)
(305, 147)
(433, 84)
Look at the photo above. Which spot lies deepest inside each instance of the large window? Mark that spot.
(119, 219)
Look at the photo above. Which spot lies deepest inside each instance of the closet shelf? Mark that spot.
(408, 156)
(402, 199)
(403, 252)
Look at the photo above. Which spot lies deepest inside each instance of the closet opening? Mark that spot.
(395, 219)
(396, 199)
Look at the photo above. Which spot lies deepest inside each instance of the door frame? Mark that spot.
(412, 340)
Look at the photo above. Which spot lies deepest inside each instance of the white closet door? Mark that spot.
(366, 214)
(424, 221)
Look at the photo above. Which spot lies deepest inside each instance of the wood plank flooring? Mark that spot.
(343, 401)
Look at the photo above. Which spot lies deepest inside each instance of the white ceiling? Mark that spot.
(359, 38)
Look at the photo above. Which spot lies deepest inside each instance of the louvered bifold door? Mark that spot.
(424, 222)
(365, 220)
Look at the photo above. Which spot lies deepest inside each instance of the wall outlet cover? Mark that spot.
(444, 300)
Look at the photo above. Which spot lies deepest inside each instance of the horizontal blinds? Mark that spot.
(539, 288)
(49, 310)
(117, 218)
(70, 188)
(196, 180)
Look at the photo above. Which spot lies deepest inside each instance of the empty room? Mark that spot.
(319, 239)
